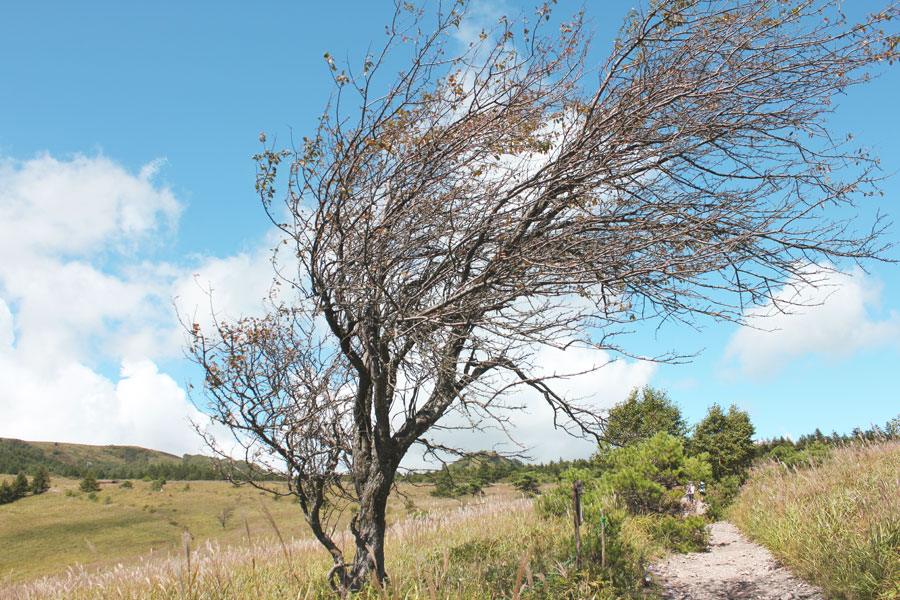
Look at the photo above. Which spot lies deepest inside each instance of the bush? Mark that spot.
(158, 484)
(41, 481)
(528, 484)
(648, 476)
(126, 485)
(20, 486)
(681, 535)
(6, 493)
(89, 484)
(721, 495)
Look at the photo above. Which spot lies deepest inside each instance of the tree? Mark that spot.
(443, 484)
(89, 483)
(471, 211)
(528, 483)
(6, 492)
(19, 486)
(649, 475)
(642, 415)
(41, 481)
(728, 439)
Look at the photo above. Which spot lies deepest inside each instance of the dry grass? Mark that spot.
(42, 535)
(477, 551)
(837, 523)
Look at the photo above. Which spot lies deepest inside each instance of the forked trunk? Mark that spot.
(368, 527)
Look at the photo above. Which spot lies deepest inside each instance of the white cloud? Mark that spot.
(79, 207)
(837, 319)
(79, 296)
(237, 284)
(532, 426)
(601, 389)
(86, 317)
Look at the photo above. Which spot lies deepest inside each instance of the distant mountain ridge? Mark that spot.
(121, 462)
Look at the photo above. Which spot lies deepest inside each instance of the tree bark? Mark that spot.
(369, 527)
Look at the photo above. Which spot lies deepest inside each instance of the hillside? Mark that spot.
(75, 460)
(485, 461)
(835, 521)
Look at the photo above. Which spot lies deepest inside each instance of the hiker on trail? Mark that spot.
(690, 492)
(702, 490)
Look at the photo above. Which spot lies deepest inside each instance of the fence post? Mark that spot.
(577, 491)
(602, 540)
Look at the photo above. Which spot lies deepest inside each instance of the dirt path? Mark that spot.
(734, 568)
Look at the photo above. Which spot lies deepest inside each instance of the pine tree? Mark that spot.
(6, 494)
(41, 481)
(19, 486)
(89, 483)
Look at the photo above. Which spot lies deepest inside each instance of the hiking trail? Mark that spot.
(733, 568)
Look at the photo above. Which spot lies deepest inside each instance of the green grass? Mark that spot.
(497, 548)
(43, 535)
(836, 523)
(490, 548)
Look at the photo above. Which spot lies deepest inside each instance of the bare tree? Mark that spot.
(477, 208)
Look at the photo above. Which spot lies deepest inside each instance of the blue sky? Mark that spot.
(126, 180)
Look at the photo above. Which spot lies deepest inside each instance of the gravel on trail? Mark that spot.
(733, 568)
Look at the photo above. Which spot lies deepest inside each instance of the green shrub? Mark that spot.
(721, 495)
(41, 481)
(528, 483)
(89, 484)
(157, 485)
(681, 535)
(649, 476)
(126, 485)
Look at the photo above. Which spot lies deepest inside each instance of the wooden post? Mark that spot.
(577, 491)
(602, 540)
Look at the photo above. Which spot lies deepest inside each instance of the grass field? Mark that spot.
(494, 547)
(836, 523)
(43, 535)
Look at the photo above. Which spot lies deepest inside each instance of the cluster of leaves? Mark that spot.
(648, 475)
(725, 438)
(20, 487)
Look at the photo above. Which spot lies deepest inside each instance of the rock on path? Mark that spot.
(734, 568)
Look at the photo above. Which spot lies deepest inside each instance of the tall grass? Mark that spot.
(836, 523)
(496, 549)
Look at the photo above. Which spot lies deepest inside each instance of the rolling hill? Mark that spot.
(76, 460)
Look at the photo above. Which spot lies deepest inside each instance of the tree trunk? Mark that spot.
(368, 527)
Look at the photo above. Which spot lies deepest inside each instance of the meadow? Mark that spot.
(142, 544)
(835, 521)
(139, 543)
(45, 534)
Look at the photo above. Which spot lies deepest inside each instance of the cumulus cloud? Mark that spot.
(532, 426)
(835, 317)
(86, 315)
(79, 297)
(80, 206)
(600, 388)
